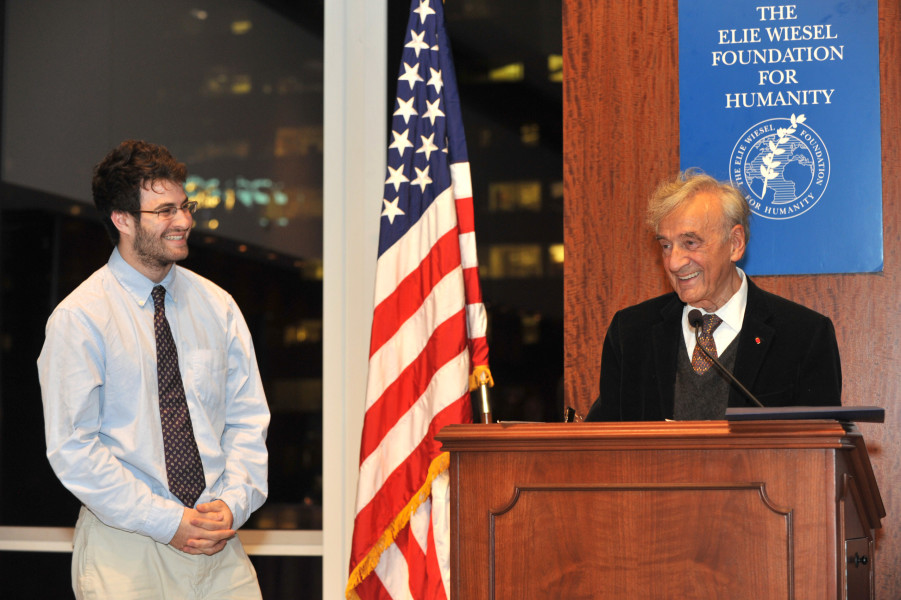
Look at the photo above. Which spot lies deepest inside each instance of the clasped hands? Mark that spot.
(204, 529)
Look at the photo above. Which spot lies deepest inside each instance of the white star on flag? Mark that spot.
(397, 177)
(405, 109)
(392, 210)
(416, 42)
(422, 178)
(428, 146)
(435, 80)
(411, 75)
(401, 141)
(432, 111)
(424, 10)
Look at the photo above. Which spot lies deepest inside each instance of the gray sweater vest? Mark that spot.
(702, 397)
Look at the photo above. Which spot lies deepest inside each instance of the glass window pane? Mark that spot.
(233, 89)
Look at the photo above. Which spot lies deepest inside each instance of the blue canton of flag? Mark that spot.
(426, 120)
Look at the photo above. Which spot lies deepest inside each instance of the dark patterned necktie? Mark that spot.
(699, 361)
(184, 469)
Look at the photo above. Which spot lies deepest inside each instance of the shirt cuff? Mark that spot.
(239, 516)
(163, 519)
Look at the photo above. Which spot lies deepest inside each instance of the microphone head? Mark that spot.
(694, 318)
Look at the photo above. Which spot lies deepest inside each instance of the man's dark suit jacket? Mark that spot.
(787, 356)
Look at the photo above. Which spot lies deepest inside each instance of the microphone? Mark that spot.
(696, 320)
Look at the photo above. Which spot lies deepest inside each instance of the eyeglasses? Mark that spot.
(169, 212)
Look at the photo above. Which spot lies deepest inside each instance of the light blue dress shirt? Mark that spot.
(102, 423)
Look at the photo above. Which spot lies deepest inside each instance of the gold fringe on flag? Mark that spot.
(365, 567)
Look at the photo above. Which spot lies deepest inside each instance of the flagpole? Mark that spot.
(486, 407)
(481, 380)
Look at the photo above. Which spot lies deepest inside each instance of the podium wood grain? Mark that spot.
(657, 510)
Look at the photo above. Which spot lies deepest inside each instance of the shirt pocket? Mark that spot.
(208, 377)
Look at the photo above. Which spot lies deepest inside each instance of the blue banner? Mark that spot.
(783, 101)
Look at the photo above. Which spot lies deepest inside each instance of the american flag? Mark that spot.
(428, 330)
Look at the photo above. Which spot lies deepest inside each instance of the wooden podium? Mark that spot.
(712, 509)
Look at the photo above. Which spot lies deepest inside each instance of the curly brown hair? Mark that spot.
(119, 177)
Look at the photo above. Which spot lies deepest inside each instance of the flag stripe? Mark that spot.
(414, 553)
(389, 361)
(445, 344)
(406, 254)
(468, 255)
(477, 320)
(462, 180)
(465, 218)
(412, 428)
(471, 288)
(436, 585)
(420, 523)
(478, 349)
(371, 588)
(410, 293)
(439, 539)
(394, 574)
(393, 498)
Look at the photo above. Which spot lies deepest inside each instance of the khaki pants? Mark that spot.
(109, 563)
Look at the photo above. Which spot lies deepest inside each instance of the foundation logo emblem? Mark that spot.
(783, 166)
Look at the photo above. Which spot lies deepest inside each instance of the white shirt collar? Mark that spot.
(732, 313)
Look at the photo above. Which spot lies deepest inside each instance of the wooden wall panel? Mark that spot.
(621, 137)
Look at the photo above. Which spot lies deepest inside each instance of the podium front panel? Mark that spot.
(664, 511)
